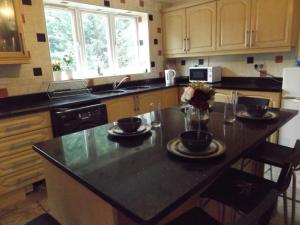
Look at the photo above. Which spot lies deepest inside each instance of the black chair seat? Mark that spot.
(273, 154)
(195, 216)
(44, 219)
(239, 190)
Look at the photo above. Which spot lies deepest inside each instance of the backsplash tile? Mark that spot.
(37, 71)
(41, 37)
(26, 2)
(3, 92)
(250, 60)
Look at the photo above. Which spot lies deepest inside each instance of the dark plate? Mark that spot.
(111, 131)
(268, 116)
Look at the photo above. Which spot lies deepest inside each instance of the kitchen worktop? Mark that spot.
(138, 176)
(20, 105)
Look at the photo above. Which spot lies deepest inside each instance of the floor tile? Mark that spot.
(25, 212)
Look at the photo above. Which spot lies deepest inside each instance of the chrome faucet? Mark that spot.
(117, 84)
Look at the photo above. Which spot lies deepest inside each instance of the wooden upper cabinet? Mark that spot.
(201, 27)
(233, 24)
(271, 23)
(174, 32)
(12, 48)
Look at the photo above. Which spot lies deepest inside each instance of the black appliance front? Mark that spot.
(77, 118)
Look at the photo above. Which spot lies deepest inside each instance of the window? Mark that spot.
(99, 43)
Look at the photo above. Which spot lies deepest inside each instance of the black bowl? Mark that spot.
(196, 140)
(130, 124)
(257, 110)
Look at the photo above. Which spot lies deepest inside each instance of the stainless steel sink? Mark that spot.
(135, 88)
(109, 92)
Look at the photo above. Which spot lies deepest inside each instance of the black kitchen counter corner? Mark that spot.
(21, 105)
(138, 176)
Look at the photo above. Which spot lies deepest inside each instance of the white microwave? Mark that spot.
(208, 74)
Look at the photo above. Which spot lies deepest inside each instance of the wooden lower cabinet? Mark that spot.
(21, 124)
(122, 107)
(19, 180)
(132, 105)
(17, 144)
(146, 99)
(20, 165)
(18, 162)
(169, 97)
(274, 97)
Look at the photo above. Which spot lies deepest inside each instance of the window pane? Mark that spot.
(97, 45)
(126, 43)
(60, 27)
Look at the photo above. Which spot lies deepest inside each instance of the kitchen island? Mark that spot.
(94, 179)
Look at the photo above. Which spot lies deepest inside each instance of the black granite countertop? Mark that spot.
(138, 176)
(20, 105)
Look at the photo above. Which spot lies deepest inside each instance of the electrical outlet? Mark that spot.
(259, 67)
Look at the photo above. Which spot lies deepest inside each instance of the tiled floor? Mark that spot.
(20, 214)
(36, 204)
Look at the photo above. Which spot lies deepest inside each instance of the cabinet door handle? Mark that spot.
(137, 103)
(184, 44)
(24, 162)
(187, 44)
(251, 38)
(21, 43)
(134, 103)
(24, 179)
(17, 127)
(247, 43)
(20, 145)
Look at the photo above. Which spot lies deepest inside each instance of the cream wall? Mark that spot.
(236, 65)
(19, 79)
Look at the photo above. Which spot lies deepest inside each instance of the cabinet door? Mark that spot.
(12, 50)
(118, 108)
(271, 23)
(222, 95)
(233, 24)
(169, 97)
(201, 27)
(22, 124)
(274, 97)
(174, 32)
(144, 101)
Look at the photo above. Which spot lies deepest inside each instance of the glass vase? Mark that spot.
(198, 118)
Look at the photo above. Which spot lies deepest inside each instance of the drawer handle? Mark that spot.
(20, 145)
(24, 162)
(18, 127)
(24, 179)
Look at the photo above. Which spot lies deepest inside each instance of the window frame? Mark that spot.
(80, 46)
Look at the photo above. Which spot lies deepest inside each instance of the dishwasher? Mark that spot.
(71, 119)
(76, 116)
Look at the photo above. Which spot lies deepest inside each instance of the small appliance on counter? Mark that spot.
(170, 76)
(207, 74)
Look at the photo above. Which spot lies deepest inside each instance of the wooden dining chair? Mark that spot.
(44, 219)
(278, 156)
